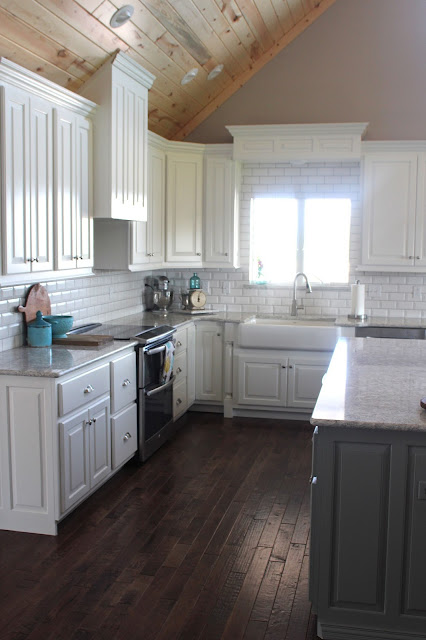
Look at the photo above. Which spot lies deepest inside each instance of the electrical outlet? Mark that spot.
(421, 490)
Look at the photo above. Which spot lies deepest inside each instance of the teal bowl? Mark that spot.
(60, 325)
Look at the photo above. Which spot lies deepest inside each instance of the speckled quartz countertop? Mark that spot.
(375, 384)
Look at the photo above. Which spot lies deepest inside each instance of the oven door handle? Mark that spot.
(152, 352)
(158, 389)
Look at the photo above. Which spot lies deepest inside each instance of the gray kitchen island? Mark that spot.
(368, 538)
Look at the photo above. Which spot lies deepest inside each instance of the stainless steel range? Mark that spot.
(155, 396)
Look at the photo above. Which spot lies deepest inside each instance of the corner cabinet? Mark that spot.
(184, 205)
(120, 87)
(221, 208)
(394, 207)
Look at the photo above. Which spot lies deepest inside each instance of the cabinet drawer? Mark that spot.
(123, 381)
(180, 367)
(83, 389)
(180, 399)
(124, 435)
(180, 341)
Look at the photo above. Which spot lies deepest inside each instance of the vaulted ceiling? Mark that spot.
(67, 40)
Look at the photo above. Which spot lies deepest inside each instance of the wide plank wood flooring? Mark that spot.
(207, 540)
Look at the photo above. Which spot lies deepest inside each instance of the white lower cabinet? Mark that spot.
(183, 371)
(85, 452)
(274, 379)
(209, 361)
(58, 442)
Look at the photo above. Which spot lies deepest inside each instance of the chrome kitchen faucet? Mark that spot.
(294, 306)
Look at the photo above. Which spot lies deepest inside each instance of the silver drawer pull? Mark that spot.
(126, 382)
(127, 436)
(89, 389)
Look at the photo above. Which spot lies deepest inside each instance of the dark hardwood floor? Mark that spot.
(209, 539)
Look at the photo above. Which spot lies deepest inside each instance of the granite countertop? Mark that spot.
(375, 384)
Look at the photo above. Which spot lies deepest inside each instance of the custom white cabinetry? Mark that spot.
(57, 441)
(184, 204)
(394, 213)
(183, 371)
(221, 208)
(278, 379)
(46, 157)
(73, 190)
(209, 362)
(28, 181)
(120, 87)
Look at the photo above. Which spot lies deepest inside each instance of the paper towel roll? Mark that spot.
(358, 299)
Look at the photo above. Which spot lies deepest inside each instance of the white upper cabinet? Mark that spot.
(148, 238)
(28, 182)
(184, 203)
(74, 224)
(46, 151)
(221, 208)
(120, 87)
(394, 212)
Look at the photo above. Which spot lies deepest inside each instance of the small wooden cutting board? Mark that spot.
(83, 341)
(37, 300)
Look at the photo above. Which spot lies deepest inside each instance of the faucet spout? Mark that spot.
(294, 306)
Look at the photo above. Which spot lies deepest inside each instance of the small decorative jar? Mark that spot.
(195, 282)
(39, 332)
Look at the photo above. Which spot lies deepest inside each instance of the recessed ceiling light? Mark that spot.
(188, 77)
(121, 16)
(215, 72)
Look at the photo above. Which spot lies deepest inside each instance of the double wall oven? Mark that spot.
(155, 395)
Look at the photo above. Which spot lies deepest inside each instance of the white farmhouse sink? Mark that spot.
(289, 333)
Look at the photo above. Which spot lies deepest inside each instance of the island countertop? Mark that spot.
(374, 383)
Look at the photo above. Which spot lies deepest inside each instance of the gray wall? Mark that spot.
(362, 61)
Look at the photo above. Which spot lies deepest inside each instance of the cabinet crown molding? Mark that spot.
(133, 69)
(298, 142)
(384, 146)
(17, 76)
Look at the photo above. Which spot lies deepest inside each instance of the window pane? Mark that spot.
(326, 247)
(273, 239)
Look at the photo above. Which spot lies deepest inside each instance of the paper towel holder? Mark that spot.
(359, 317)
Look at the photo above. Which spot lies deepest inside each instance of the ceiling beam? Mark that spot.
(299, 27)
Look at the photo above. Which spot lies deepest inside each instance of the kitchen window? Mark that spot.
(288, 235)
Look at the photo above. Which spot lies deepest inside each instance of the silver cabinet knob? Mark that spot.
(178, 370)
(283, 366)
(89, 389)
(126, 382)
(198, 254)
(127, 436)
(178, 343)
(88, 422)
(410, 257)
(290, 366)
(178, 402)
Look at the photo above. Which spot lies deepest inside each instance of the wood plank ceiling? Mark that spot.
(67, 40)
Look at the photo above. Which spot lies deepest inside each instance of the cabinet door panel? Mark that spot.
(100, 442)
(209, 363)
(184, 208)
(360, 517)
(41, 185)
(75, 463)
(414, 583)
(420, 249)
(389, 209)
(156, 204)
(83, 194)
(305, 379)
(262, 380)
(65, 162)
(219, 183)
(17, 180)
